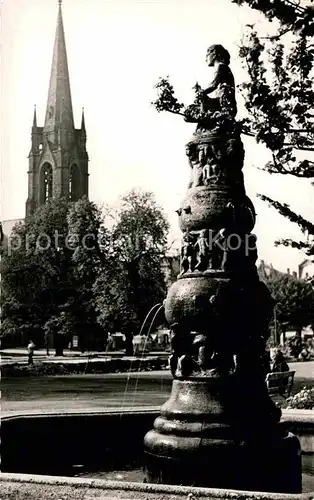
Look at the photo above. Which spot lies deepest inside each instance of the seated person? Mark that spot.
(280, 364)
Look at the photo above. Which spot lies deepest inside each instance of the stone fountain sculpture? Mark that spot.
(219, 427)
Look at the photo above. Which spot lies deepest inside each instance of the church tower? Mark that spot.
(58, 160)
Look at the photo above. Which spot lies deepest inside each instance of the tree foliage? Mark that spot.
(294, 301)
(307, 227)
(195, 112)
(166, 99)
(65, 271)
(279, 95)
(30, 274)
(133, 279)
(86, 225)
(47, 278)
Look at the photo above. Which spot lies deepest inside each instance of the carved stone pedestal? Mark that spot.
(209, 434)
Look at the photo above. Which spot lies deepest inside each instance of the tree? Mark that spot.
(294, 301)
(279, 96)
(48, 272)
(133, 280)
(34, 270)
(91, 241)
(67, 273)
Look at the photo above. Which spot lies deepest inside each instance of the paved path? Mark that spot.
(103, 391)
(303, 369)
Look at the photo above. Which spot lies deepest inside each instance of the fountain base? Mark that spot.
(200, 439)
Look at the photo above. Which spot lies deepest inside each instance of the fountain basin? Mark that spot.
(35, 447)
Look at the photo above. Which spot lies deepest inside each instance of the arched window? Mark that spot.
(45, 183)
(74, 183)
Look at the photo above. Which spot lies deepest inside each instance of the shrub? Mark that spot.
(303, 400)
(117, 365)
(37, 369)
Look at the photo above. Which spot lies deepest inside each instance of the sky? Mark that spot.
(117, 50)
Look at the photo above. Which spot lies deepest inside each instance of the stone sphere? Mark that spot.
(206, 208)
(190, 300)
(229, 312)
(203, 208)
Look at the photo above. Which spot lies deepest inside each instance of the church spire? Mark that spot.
(35, 118)
(83, 118)
(58, 159)
(59, 113)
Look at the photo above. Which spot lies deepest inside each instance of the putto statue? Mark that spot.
(219, 423)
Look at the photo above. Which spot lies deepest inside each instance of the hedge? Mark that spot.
(118, 365)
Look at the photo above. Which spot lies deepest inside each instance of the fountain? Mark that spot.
(219, 427)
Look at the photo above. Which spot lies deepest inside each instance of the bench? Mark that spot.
(280, 383)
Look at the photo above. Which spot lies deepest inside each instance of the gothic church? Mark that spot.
(58, 160)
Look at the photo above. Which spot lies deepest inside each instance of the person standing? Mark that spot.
(30, 351)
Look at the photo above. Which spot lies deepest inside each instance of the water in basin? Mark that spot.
(135, 473)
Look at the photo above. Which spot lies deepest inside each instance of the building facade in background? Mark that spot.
(306, 269)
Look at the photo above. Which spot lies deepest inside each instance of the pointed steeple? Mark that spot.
(35, 118)
(59, 113)
(83, 129)
(57, 148)
(83, 136)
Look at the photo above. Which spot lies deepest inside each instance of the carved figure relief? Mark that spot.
(194, 157)
(200, 344)
(203, 252)
(223, 250)
(180, 360)
(213, 169)
(223, 235)
(190, 153)
(197, 355)
(186, 254)
(197, 175)
(218, 162)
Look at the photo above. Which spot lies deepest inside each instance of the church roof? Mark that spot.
(59, 104)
